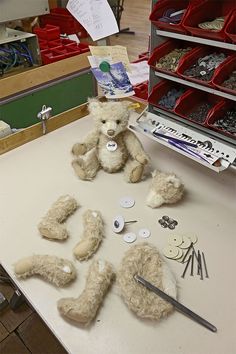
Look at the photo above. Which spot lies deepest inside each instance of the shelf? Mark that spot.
(199, 40)
(197, 86)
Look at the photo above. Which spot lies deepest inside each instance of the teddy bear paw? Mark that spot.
(78, 149)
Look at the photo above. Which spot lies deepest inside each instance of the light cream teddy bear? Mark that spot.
(110, 145)
(165, 188)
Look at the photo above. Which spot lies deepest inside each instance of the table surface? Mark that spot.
(33, 176)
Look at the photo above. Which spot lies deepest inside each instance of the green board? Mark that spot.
(22, 112)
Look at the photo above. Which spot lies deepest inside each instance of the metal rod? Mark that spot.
(198, 262)
(200, 265)
(186, 254)
(192, 263)
(186, 267)
(204, 262)
(176, 304)
(130, 222)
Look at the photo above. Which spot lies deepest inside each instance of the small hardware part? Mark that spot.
(127, 202)
(16, 300)
(130, 237)
(166, 221)
(205, 266)
(186, 267)
(43, 115)
(118, 223)
(3, 302)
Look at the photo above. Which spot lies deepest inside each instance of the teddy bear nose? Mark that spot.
(110, 132)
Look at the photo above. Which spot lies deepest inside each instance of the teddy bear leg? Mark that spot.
(56, 270)
(84, 308)
(133, 171)
(86, 168)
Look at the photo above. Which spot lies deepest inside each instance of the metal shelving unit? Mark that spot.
(220, 144)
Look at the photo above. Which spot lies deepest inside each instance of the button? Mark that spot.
(175, 240)
(166, 218)
(186, 242)
(127, 202)
(171, 226)
(171, 251)
(129, 237)
(118, 224)
(145, 233)
(104, 66)
(111, 145)
(193, 237)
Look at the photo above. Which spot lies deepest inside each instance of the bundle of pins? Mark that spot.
(200, 260)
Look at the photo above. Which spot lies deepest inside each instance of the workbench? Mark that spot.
(34, 175)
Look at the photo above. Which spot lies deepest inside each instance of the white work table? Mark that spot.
(33, 176)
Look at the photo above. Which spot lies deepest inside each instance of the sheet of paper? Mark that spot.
(117, 52)
(96, 16)
(139, 72)
(96, 61)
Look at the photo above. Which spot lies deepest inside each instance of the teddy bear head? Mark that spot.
(110, 118)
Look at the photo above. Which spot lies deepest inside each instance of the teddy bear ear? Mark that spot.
(93, 104)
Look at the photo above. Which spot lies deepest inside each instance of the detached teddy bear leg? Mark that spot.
(50, 226)
(92, 237)
(84, 308)
(56, 270)
(133, 171)
(86, 168)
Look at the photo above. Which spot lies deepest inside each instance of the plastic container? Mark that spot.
(141, 91)
(43, 44)
(48, 32)
(230, 29)
(62, 18)
(223, 74)
(166, 48)
(159, 10)
(160, 90)
(191, 58)
(208, 10)
(58, 53)
(218, 112)
(192, 98)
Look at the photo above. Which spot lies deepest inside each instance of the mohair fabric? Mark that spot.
(56, 270)
(144, 260)
(84, 308)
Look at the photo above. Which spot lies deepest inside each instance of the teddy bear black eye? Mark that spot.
(103, 121)
(118, 121)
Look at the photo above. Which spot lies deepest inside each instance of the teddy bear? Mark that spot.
(110, 145)
(165, 188)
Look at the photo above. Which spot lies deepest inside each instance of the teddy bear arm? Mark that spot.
(88, 144)
(135, 148)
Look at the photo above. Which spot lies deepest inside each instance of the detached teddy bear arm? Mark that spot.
(135, 148)
(88, 144)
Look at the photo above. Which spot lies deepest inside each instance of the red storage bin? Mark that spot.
(223, 73)
(141, 91)
(208, 10)
(166, 48)
(191, 58)
(62, 17)
(159, 10)
(48, 33)
(218, 112)
(43, 44)
(192, 98)
(160, 90)
(230, 28)
(58, 53)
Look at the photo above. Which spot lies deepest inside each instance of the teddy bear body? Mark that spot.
(110, 146)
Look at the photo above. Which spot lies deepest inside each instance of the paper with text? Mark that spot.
(117, 52)
(95, 16)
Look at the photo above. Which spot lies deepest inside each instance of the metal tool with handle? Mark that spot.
(176, 304)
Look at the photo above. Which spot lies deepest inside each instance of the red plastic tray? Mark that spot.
(62, 17)
(218, 112)
(208, 10)
(223, 74)
(191, 58)
(160, 8)
(141, 91)
(58, 53)
(190, 99)
(160, 90)
(166, 48)
(43, 44)
(230, 28)
(48, 32)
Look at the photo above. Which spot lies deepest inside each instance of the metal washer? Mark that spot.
(127, 202)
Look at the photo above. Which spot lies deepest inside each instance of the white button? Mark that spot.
(186, 242)
(144, 233)
(171, 251)
(129, 237)
(118, 224)
(111, 145)
(66, 269)
(127, 202)
(175, 240)
(193, 237)
(180, 254)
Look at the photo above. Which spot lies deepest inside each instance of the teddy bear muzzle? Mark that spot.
(111, 132)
